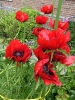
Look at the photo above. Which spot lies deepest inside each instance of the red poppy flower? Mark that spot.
(41, 19)
(40, 54)
(54, 39)
(18, 51)
(37, 30)
(22, 17)
(18, 13)
(62, 58)
(68, 60)
(58, 56)
(47, 9)
(44, 70)
(62, 25)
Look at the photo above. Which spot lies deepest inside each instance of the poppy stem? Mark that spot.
(20, 78)
(24, 34)
(48, 90)
(4, 98)
(52, 56)
(34, 88)
(45, 90)
(58, 14)
(17, 33)
(7, 75)
(25, 4)
(53, 8)
(21, 73)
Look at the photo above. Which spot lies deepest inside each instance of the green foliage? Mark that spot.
(67, 90)
(10, 27)
(72, 41)
(17, 82)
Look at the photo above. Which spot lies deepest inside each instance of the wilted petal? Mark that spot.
(68, 61)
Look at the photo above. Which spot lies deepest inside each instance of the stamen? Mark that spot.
(18, 53)
(47, 71)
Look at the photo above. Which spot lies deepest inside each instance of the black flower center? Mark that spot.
(47, 71)
(18, 53)
(58, 53)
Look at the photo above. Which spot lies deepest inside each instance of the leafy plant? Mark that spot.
(9, 27)
(72, 41)
(17, 81)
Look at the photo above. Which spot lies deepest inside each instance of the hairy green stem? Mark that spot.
(48, 90)
(52, 53)
(53, 8)
(58, 14)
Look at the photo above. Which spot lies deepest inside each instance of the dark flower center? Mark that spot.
(58, 53)
(47, 71)
(18, 53)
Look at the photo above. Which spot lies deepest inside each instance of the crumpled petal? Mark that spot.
(68, 61)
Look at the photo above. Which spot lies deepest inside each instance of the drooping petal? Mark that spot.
(39, 64)
(62, 58)
(44, 70)
(68, 61)
(58, 56)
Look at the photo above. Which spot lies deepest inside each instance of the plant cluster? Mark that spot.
(42, 72)
(8, 24)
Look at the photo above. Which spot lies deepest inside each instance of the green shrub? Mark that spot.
(12, 86)
(10, 27)
(72, 41)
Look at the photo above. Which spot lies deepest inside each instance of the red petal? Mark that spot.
(39, 65)
(51, 23)
(48, 82)
(67, 35)
(47, 9)
(68, 61)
